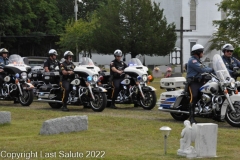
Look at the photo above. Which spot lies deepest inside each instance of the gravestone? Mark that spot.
(64, 125)
(5, 117)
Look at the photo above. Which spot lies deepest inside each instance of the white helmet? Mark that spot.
(52, 52)
(227, 47)
(118, 52)
(197, 49)
(67, 53)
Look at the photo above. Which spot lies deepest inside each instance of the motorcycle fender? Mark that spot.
(235, 97)
(148, 88)
(28, 86)
(99, 89)
(224, 109)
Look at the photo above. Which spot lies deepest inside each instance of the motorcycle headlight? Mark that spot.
(17, 75)
(29, 75)
(144, 78)
(89, 78)
(95, 78)
(232, 83)
(24, 75)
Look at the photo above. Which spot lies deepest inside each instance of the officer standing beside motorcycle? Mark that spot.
(230, 61)
(51, 62)
(3, 61)
(67, 73)
(116, 69)
(194, 77)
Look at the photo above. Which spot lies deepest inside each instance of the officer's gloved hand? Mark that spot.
(236, 73)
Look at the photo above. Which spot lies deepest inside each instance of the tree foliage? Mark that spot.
(228, 28)
(134, 26)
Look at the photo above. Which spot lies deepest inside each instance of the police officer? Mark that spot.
(3, 61)
(51, 62)
(116, 69)
(230, 61)
(194, 77)
(66, 68)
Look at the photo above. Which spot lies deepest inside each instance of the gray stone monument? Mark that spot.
(64, 125)
(5, 117)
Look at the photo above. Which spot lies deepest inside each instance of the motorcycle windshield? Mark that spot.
(220, 68)
(86, 61)
(16, 59)
(134, 62)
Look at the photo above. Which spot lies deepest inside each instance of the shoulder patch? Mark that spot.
(194, 61)
(111, 63)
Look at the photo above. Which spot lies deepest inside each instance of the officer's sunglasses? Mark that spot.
(229, 51)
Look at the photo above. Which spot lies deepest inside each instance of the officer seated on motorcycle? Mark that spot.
(194, 78)
(231, 63)
(3, 61)
(51, 62)
(67, 73)
(116, 69)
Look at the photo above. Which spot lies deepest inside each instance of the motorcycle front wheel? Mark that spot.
(26, 98)
(233, 118)
(100, 102)
(179, 116)
(150, 100)
(55, 105)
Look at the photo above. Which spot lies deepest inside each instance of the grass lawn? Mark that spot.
(124, 133)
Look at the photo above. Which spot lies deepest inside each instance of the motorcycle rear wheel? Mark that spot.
(233, 118)
(150, 100)
(26, 98)
(100, 102)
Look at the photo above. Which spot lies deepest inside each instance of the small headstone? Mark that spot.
(64, 125)
(5, 117)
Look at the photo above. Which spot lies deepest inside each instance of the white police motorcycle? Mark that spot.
(133, 88)
(85, 90)
(15, 82)
(219, 96)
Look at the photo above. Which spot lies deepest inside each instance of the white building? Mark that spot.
(198, 16)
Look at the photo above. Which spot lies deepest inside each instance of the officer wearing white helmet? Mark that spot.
(194, 77)
(51, 62)
(116, 69)
(3, 61)
(67, 73)
(230, 61)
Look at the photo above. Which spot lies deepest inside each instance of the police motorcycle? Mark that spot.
(134, 88)
(36, 78)
(85, 90)
(219, 96)
(15, 82)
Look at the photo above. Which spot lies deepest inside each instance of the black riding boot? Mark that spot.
(113, 104)
(191, 112)
(64, 108)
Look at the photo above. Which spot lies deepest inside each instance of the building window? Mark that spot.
(193, 15)
(191, 45)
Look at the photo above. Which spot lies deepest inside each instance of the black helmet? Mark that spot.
(3, 50)
(197, 49)
(67, 53)
(227, 47)
(118, 52)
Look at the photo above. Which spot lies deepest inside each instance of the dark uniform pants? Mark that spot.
(1, 81)
(66, 89)
(116, 87)
(194, 92)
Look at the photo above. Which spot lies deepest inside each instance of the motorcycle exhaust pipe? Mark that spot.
(173, 111)
(46, 100)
